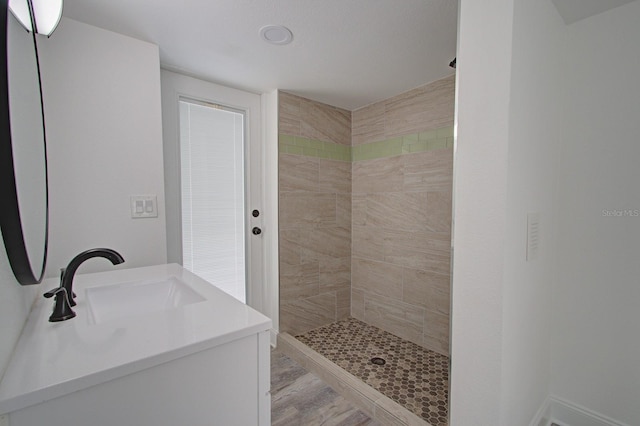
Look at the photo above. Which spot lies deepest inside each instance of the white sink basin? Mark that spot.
(138, 297)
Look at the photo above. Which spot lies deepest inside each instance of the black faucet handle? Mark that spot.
(62, 310)
(73, 293)
(53, 292)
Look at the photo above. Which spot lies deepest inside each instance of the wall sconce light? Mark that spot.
(46, 14)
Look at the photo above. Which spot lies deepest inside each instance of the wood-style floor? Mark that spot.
(300, 398)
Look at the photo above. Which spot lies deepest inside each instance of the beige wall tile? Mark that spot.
(380, 175)
(289, 114)
(428, 171)
(306, 314)
(357, 303)
(298, 173)
(427, 289)
(343, 303)
(428, 251)
(368, 124)
(436, 332)
(359, 209)
(307, 251)
(397, 210)
(289, 247)
(335, 273)
(343, 210)
(325, 122)
(424, 108)
(315, 218)
(301, 210)
(379, 278)
(367, 243)
(298, 281)
(396, 317)
(438, 211)
(331, 241)
(335, 176)
(420, 211)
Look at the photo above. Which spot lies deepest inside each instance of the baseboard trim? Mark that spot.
(565, 413)
(273, 337)
(543, 416)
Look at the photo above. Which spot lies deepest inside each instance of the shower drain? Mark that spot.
(378, 361)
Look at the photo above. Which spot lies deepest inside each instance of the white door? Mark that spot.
(214, 212)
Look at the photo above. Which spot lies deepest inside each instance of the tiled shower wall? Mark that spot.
(401, 221)
(315, 213)
(365, 213)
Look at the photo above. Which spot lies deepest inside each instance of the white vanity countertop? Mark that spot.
(55, 359)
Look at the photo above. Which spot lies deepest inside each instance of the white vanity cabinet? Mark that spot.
(223, 385)
(197, 365)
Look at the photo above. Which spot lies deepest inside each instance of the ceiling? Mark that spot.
(576, 10)
(344, 53)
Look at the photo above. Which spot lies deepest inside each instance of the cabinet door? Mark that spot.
(217, 386)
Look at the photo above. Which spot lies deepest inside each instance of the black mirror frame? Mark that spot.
(10, 221)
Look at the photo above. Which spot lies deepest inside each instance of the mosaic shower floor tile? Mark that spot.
(414, 377)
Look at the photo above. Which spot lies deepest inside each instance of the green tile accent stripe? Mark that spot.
(407, 144)
(313, 148)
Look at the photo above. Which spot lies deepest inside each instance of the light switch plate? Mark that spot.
(144, 206)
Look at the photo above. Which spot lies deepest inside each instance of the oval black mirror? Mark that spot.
(23, 161)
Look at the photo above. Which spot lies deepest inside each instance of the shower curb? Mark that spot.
(376, 405)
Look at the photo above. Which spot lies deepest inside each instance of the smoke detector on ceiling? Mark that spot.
(276, 34)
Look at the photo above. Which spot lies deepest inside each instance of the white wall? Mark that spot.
(596, 310)
(480, 193)
(270, 224)
(566, 325)
(16, 300)
(102, 95)
(15, 304)
(104, 128)
(535, 133)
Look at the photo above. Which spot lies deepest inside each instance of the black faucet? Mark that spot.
(64, 294)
